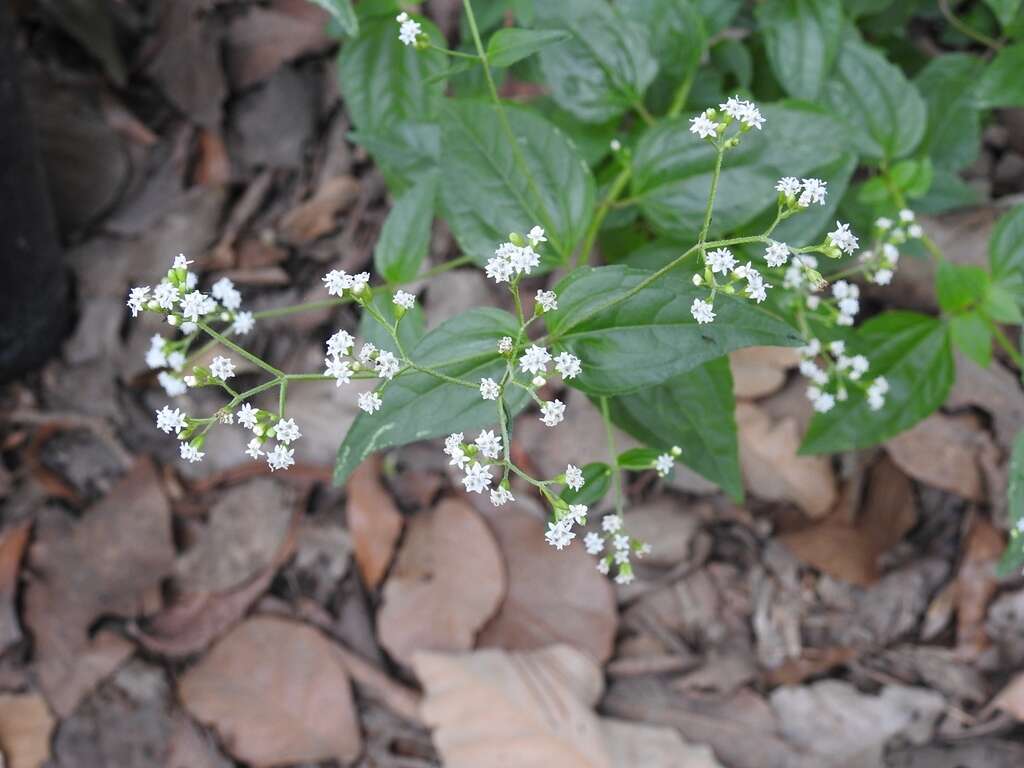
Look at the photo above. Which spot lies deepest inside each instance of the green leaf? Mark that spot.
(672, 170)
(960, 286)
(887, 114)
(694, 411)
(507, 46)
(1005, 10)
(597, 477)
(341, 11)
(718, 14)
(384, 82)
(802, 41)
(972, 335)
(1001, 84)
(913, 352)
(604, 68)
(1013, 557)
(405, 237)
(637, 459)
(418, 406)
(1001, 307)
(630, 337)
(404, 153)
(485, 193)
(1006, 253)
(952, 136)
(948, 192)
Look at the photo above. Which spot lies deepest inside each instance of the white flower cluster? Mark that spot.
(802, 193)
(831, 380)
(880, 262)
(722, 262)
(621, 546)
(478, 478)
(409, 32)
(337, 281)
(385, 365)
(711, 123)
(847, 299)
(516, 257)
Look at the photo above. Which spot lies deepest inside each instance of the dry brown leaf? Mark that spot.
(12, 544)
(772, 469)
(104, 564)
(1011, 698)
(638, 745)
(760, 371)
(315, 217)
(25, 728)
(976, 585)
(264, 38)
(276, 693)
(373, 521)
(552, 597)
(190, 747)
(448, 580)
(942, 451)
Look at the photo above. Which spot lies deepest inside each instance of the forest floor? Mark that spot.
(155, 613)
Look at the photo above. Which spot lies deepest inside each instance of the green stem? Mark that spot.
(223, 340)
(308, 306)
(612, 456)
(641, 110)
(1003, 340)
(440, 268)
(282, 394)
(583, 257)
(711, 196)
(456, 54)
(682, 94)
(967, 30)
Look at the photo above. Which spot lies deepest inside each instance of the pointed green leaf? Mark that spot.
(597, 477)
(802, 40)
(972, 335)
(507, 46)
(405, 237)
(953, 134)
(1006, 253)
(1001, 84)
(341, 11)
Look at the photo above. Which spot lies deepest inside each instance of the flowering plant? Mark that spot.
(721, 223)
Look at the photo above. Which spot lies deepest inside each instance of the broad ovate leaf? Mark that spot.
(405, 236)
(507, 46)
(1001, 84)
(953, 133)
(343, 13)
(1006, 253)
(802, 40)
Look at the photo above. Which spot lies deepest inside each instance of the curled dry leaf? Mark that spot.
(942, 451)
(25, 728)
(276, 693)
(373, 521)
(12, 544)
(265, 37)
(773, 470)
(314, 218)
(447, 581)
(976, 585)
(760, 371)
(552, 597)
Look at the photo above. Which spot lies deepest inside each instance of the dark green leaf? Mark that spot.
(1005, 10)
(341, 11)
(802, 40)
(972, 335)
(404, 153)
(718, 14)
(960, 287)
(1006, 253)
(953, 134)
(630, 336)
(604, 68)
(1013, 558)
(507, 46)
(1001, 307)
(695, 412)
(596, 479)
(405, 236)
(913, 352)
(887, 114)
(672, 170)
(637, 459)
(486, 193)
(418, 406)
(948, 192)
(1001, 84)
(731, 57)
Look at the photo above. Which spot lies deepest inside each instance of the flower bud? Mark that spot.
(538, 381)
(697, 280)
(516, 239)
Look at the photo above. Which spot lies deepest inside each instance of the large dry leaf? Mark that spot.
(447, 581)
(277, 693)
(492, 709)
(553, 597)
(104, 564)
(25, 728)
(12, 544)
(373, 520)
(315, 217)
(760, 371)
(942, 451)
(976, 585)
(771, 467)
(996, 390)
(262, 39)
(1011, 698)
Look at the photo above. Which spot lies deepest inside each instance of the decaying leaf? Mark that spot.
(1011, 698)
(25, 728)
(373, 520)
(12, 544)
(635, 744)
(315, 217)
(976, 585)
(277, 693)
(265, 37)
(941, 451)
(447, 581)
(759, 371)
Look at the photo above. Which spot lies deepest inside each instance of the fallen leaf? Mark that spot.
(262, 39)
(976, 753)
(996, 390)
(677, 529)
(976, 585)
(25, 728)
(552, 597)
(12, 544)
(276, 693)
(760, 371)
(213, 166)
(270, 124)
(103, 564)
(941, 451)
(771, 467)
(812, 663)
(1011, 698)
(638, 745)
(191, 748)
(447, 581)
(373, 521)
(316, 217)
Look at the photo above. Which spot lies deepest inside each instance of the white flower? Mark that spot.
(702, 311)
(620, 541)
(611, 523)
(369, 401)
(501, 496)
(858, 366)
(167, 420)
(536, 236)
(255, 449)
(190, 453)
(287, 431)
(222, 368)
(811, 370)
(155, 357)
(560, 534)
(603, 566)
(224, 290)
(751, 116)
(776, 254)
(367, 353)
(409, 31)
(172, 385)
(243, 323)
(733, 107)
(165, 295)
(359, 282)
(664, 464)
(615, 145)
(338, 369)
(280, 458)
(883, 223)
(505, 345)
(812, 349)
(906, 215)
(387, 365)
(548, 300)
(814, 191)
(788, 185)
(822, 401)
(478, 478)
(488, 443)
(247, 416)
(180, 262)
(568, 365)
(340, 343)
(842, 238)
(841, 289)
(137, 299)
(404, 299)
(574, 477)
(703, 126)
(498, 269)
(525, 259)
(837, 347)
(453, 442)
(552, 413)
(756, 286)
(625, 575)
(196, 304)
(535, 360)
(336, 281)
(489, 389)
(721, 261)
(813, 302)
(915, 230)
(538, 381)
(594, 543)
(876, 393)
(883, 277)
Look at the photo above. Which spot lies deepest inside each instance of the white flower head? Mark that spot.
(498, 269)
(547, 300)
(224, 291)
(280, 458)
(664, 464)
(611, 523)
(222, 368)
(137, 299)
(369, 402)
(180, 262)
(721, 261)
(501, 496)
(552, 413)
(594, 543)
(478, 478)
(254, 449)
(489, 389)
(560, 534)
(196, 304)
(247, 416)
(776, 254)
(489, 444)
(243, 323)
(788, 185)
(190, 453)
(842, 238)
(535, 360)
(340, 343)
(367, 353)
(577, 514)
(155, 357)
(336, 281)
(525, 259)
(574, 477)
(814, 191)
(165, 295)
(409, 30)
(168, 420)
(172, 385)
(386, 365)
(568, 365)
(287, 431)
(536, 236)
(703, 126)
(404, 299)
(702, 311)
